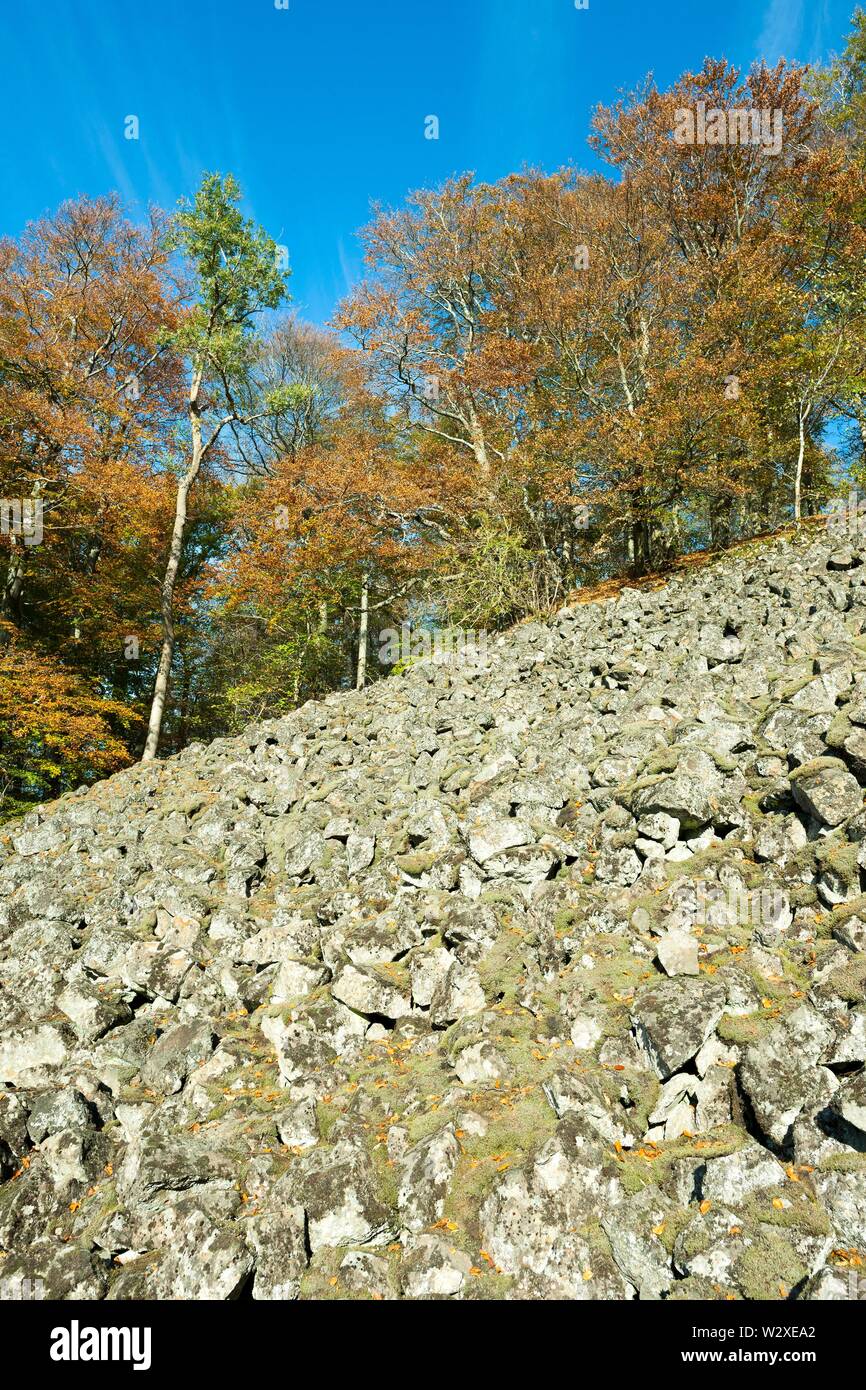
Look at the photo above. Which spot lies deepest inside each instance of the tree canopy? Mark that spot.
(538, 383)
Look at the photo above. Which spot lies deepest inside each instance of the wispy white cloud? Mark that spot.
(794, 29)
(782, 29)
(118, 160)
(348, 265)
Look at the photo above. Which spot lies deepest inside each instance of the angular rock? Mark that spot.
(678, 953)
(827, 791)
(780, 1073)
(368, 991)
(674, 1018)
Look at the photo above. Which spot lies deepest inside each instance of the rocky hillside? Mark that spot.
(538, 974)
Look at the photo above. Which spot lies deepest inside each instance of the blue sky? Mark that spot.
(318, 109)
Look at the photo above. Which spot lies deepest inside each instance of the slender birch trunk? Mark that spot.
(169, 583)
(363, 631)
(802, 415)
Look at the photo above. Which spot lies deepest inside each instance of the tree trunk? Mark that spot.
(363, 630)
(801, 453)
(13, 586)
(160, 689)
(183, 721)
(677, 530)
(479, 449)
(640, 547)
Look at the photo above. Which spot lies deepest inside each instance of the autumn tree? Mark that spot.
(56, 729)
(840, 90)
(326, 544)
(88, 397)
(88, 400)
(424, 316)
(758, 216)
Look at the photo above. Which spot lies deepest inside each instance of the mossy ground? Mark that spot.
(769, 1269)
(652, 1164)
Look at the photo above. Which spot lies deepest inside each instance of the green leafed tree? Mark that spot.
(236, 275)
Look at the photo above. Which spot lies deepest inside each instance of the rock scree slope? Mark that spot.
(536, 973)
